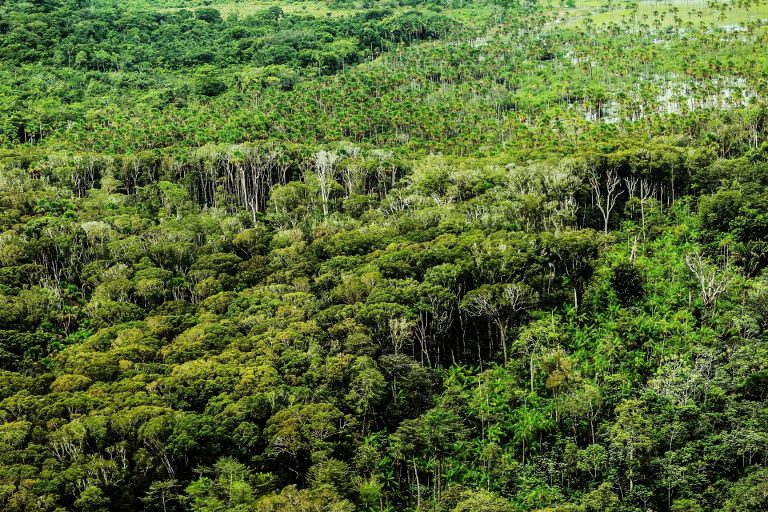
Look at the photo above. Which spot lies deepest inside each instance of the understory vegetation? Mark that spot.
(428, 255)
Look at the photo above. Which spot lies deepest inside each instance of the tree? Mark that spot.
(592, 459)
(291, 499)
(92, 499)
(207, 82)
(162, 494)
(325, 170)
(606, 202)
(367, 389)
(529, 421)
(175, 198)
(574, 253)
(602, 499)
(229, 486)
(482, 500)
(631, 437)
(500, 303)
(749, 493)
(628, 282)
(712, 281)
(685, 505)
(299, 430)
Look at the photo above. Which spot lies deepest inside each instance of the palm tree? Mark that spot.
(528, 423)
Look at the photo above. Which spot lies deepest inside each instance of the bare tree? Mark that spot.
(325, 168)
(434, 322)
(500, 304)
(606, 202)
(647, 189)
(563, 214)
(352, 171)
(713, 281)
(631, 184)
(400, 331)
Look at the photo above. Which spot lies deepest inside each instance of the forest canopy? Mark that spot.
(418, 255)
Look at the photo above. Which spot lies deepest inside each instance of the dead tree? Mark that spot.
(713, 281)
(647, 190)
(325, 169)
(606, 202)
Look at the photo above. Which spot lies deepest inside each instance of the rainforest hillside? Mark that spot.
(383, 255)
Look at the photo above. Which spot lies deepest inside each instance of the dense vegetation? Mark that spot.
(427, 256)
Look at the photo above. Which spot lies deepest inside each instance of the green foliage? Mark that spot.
(417, 255)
